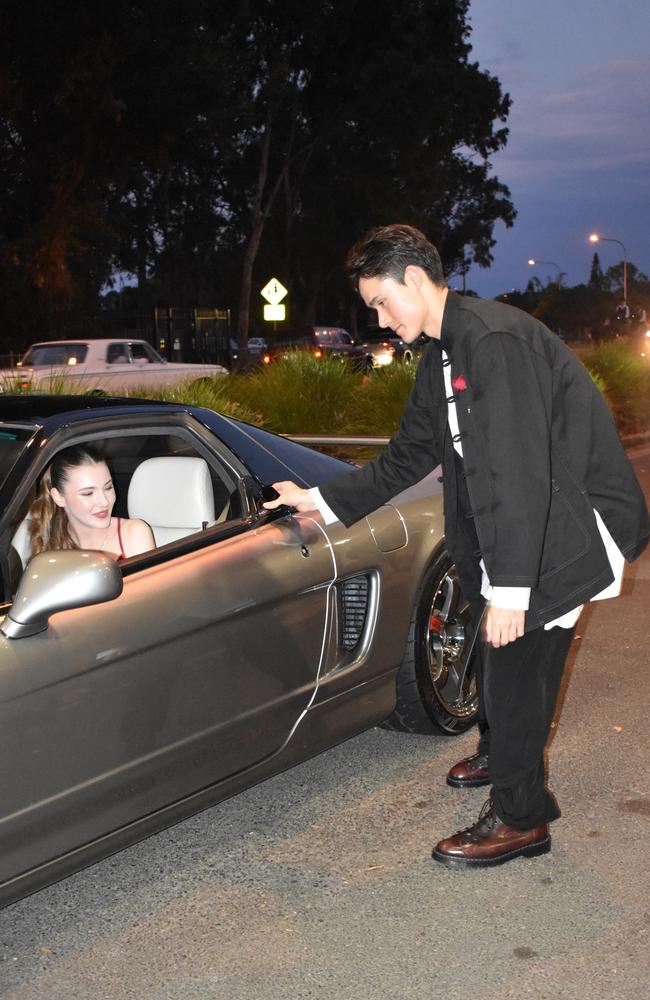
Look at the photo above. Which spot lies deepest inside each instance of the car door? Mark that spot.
(200, 669)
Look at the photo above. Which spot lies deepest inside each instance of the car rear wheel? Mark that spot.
(436, 683)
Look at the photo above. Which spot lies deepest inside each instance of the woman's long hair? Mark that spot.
(48, 523)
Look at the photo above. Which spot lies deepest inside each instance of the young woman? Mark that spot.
(74, 509)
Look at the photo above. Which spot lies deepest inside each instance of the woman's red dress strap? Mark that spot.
(119, 538)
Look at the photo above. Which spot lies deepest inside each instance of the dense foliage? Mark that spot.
(591, 311)
(201, 145)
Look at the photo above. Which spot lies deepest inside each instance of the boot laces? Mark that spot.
(484, 825)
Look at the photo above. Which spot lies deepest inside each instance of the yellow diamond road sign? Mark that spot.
(274, 292)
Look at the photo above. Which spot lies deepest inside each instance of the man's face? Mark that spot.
(402, 307)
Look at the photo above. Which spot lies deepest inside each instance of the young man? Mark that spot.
(541, 508)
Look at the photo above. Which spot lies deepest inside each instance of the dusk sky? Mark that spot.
(578, 155)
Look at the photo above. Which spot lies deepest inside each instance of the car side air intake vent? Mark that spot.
(354, 608)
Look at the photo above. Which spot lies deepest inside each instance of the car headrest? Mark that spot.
(173, 495)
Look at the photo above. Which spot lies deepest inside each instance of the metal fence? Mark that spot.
(9, 360)
(179, 334)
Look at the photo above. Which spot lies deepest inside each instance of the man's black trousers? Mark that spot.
(518, 686)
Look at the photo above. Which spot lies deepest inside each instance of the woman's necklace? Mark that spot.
(108, 529)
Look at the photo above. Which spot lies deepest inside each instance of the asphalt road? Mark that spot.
(318, 883)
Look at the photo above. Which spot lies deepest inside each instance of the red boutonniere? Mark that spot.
(459, 384)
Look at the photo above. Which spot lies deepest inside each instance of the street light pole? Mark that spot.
(597, 238)
(533, 261)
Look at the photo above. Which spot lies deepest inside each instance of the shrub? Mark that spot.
(299, 394)
(624, 378)
(212, 393)
(378, 407)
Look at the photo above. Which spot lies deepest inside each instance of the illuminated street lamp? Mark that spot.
(597, 238)
(533, 261)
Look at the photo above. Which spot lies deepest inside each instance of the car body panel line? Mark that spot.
(338, 714)
(331, 594)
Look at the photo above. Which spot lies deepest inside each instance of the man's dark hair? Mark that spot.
(386, 252)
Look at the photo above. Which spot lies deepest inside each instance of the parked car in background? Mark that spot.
(104, 366)
(384, 346)
(257, 348)
(135, 693)
(327, 341)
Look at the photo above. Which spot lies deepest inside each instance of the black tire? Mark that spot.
(429, 698)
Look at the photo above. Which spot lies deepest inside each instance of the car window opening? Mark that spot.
(159, 478)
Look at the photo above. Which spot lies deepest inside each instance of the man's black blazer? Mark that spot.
(541, 454)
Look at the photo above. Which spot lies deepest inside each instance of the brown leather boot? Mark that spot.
(470, 772)
(490, 842)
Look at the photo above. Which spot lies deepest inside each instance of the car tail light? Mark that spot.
(318, 354)
(267, 359)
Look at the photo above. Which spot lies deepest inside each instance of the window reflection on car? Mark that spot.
(117, 354)
(13, 441)
(55, 354)
(144, 353)
(132, 352)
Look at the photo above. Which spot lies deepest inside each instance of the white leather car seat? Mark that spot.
(20, 541)
(173, 494)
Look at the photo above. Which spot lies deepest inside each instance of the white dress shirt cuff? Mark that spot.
(510, 598)
(328, 515)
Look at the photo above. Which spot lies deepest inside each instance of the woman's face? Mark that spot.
(87, 495)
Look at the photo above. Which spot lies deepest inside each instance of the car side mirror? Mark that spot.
(58, 581)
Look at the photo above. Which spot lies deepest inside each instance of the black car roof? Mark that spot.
(272, 456)
(54, 410)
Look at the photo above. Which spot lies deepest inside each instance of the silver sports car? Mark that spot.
(133, 694)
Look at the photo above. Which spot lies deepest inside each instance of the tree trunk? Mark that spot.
(259, 214)
(243, 320)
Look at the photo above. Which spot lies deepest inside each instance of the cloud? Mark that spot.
(577, 155)
(597, 123)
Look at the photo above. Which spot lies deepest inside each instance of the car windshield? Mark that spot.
(13, 441)
(332, 335)
(55, 354)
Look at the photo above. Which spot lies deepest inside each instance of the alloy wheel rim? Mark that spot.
(448, 626)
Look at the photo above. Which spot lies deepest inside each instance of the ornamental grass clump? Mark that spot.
(212, 393)
(377, 409)
(625, 377)
(300, 394)
(56, 384)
